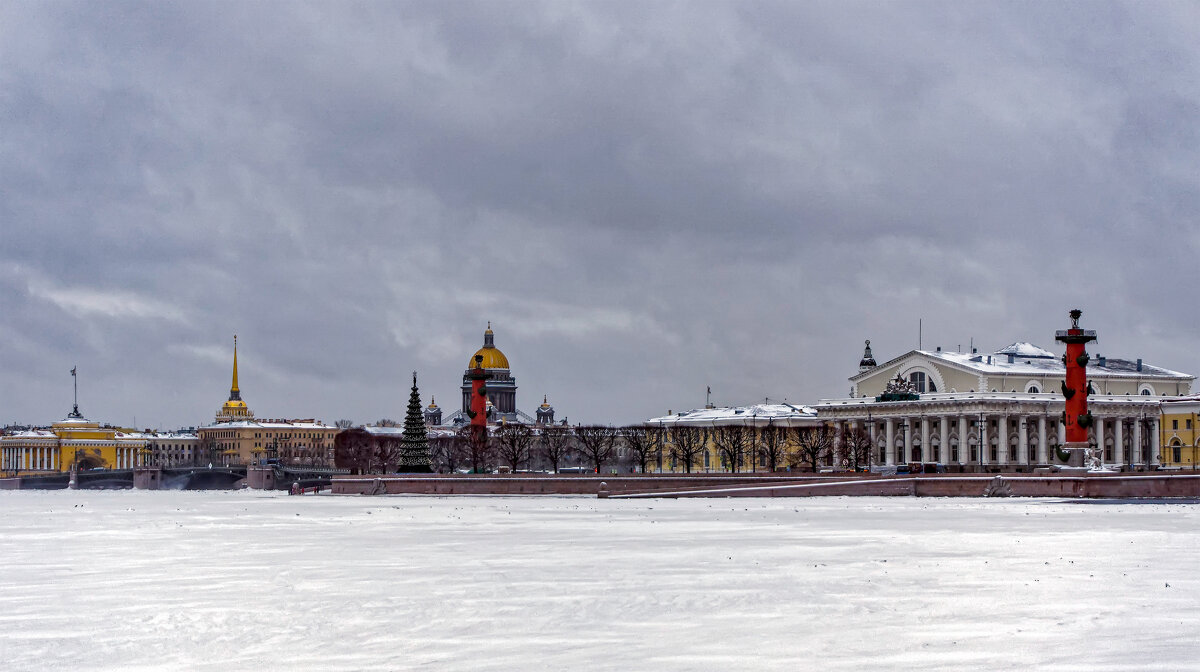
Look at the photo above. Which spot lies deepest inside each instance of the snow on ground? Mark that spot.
(249, 580)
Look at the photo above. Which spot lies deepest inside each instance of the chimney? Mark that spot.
(1101, 360)
(939, 349)
(1139, 363)
(974, 350)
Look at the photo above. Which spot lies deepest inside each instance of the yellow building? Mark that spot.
(1180, 439)
(72, 441)
(236, 438)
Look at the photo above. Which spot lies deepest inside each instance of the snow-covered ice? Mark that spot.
(250, 580)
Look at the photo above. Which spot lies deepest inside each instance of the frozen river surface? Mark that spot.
(249, 580)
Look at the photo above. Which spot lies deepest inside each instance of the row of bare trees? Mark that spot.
(643, 448)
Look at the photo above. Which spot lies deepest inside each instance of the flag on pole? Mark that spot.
(73, 370)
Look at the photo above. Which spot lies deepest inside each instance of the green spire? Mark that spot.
(414, 444)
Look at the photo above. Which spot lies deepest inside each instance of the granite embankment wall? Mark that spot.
(563, 484)
(705, 485)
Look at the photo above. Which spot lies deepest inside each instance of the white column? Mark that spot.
(964, 447)
(890, 436)
(1022, 440)
(1135, 453)
(925, 456)
(907, 440)
(1062, 433)
(1100, 437)
(1154, 444)
(1119, 441)
(1002, 456)
(984, 452)
(944, 452)
(1043, 455)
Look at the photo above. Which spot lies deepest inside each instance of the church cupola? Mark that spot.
(868, 360)
(545, 413)
(433, 414)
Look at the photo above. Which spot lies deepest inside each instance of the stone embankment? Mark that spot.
(1104, 486)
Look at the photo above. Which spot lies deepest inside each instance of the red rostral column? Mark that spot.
(478, 410)
(1075, 387)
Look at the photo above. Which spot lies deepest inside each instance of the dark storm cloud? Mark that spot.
(644, 198)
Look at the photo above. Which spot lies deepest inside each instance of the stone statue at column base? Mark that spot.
(1074, 457)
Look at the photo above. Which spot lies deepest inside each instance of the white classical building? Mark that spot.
(1001, 411)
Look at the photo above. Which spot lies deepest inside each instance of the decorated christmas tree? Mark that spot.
(414, 445)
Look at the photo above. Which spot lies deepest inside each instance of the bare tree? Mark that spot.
(479, 448)
(344, 424)
(555, 444)
(387, 455)
(353, 449)
(731, 442)
(813, 445)
(687, 445)
(657, 437)
(640, 443)
(385, 422)
(856, 448)
(773, 440)
(512, 444)
(446, 452)
(596, 442)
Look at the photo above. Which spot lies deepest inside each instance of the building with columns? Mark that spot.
(1002, 411)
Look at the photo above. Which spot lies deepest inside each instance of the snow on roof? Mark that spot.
(1043, 397)
(758, 414)
(1027, 350)
(384, 431)
(272, 424)
(1034, 366)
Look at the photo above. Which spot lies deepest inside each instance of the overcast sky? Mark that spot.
(644, 199)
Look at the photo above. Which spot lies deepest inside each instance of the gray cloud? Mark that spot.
(644, 199)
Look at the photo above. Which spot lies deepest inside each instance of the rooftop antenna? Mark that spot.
(920, 331)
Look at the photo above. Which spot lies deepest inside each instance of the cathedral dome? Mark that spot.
(492, 357)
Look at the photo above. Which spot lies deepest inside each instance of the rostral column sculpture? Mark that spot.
(1077, 451)
(478, 410)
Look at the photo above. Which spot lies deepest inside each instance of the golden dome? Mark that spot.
(492, 357)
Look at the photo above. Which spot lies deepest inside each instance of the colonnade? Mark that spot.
(49, 458)
(901, 439)
(30, 458)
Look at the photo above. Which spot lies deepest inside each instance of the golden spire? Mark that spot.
(233, 390)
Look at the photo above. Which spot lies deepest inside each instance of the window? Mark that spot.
(918, 380)
(1033, 389)
(1187, 423)
(1145, 392)
(1177, 453)
(1174, 424)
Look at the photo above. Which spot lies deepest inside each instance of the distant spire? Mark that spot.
(234, 393)
(868, 360)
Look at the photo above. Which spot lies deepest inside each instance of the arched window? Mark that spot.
(919, 381)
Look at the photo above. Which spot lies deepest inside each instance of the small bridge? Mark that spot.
(173, 478)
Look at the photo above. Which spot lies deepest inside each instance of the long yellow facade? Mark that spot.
(74, 441)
